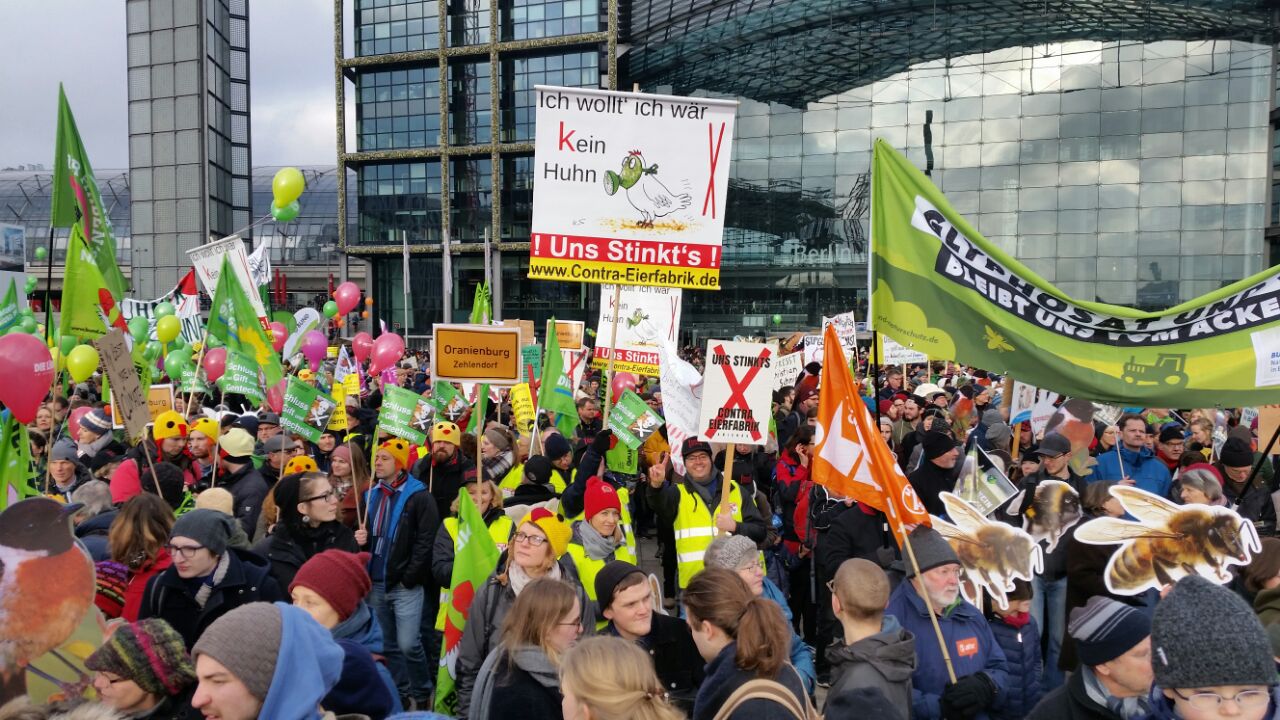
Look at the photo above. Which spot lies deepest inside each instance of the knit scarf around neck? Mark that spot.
(213, 579)
(597, 546)
(497, 467)
(93, 448)
(518, 578)
(1129, 708)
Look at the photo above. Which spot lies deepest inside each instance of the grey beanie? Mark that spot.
(731, 552)
(999, 433)
(1187, 648)
(64, 449)
(246, 642)
(992, 417)
(210, 528)
(931, 550)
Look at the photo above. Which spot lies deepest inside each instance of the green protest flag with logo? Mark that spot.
(15, 463)
(9, 307)
(233, 320)
(940, 288)
(77, 201)
(88, 307)
(555, 391)
(241, 378)
(474, 559)
(480, 410)
(405, 414)
(632, 420)
(307, 410)
(447, 402)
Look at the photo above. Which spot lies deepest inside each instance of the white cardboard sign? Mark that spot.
(207, 260)
(737, 392)
(647, 317)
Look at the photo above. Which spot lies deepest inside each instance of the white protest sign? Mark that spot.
(1024, 399)
(1043, 411)
(647, 317)
(574, 365)
(629, 188)
(893, 353)
(787, 369)
(207, 260)
(737, 392)
(846, 324)
(814, 344)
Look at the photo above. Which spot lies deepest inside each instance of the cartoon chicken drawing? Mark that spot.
(645, 191)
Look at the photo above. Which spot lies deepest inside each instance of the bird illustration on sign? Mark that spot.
(646, 193)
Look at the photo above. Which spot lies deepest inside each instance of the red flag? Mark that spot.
(850, 457)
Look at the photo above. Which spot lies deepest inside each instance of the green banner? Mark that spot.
(632, 420)
(193, 380)
(405, 414)
(942, 289)
(447, 401)
(241, 378)
(15, 463)
(9, 307)
(88, 307)
(306, 410)
(475, 557)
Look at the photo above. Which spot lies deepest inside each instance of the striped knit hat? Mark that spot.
(112, 578)
(148, 652)
(1105, 629)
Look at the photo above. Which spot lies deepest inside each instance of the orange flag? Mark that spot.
(849, 457)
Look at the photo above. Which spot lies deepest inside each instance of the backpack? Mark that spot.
(775, 692)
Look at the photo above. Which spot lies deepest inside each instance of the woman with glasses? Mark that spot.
(208, 577)
(536, 551)
(521, 676)
(307, 526)
(143, 671)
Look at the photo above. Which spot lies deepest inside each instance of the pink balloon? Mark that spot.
(347, 295)
(74, 421)
(215, 363)
(275, 396)
(362, 345)
(387, 351)
(279, 334)
(314, 346)
(622, 382)
(28, 367)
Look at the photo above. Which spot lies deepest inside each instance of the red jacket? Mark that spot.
(137, 587)
(793, 485)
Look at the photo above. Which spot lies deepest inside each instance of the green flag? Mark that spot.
(233, 320)
(474, 559)
(307, 410)
(449, 404)
(77, 201)
(15, 463)
(241, 377)
(481, 314)
(405, 414)
(555, 393)
(479, 411)
(88, 307)
(9, 307)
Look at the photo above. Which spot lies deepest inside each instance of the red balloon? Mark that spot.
(28, 367)
(215, 363)
(275, 396)
(622, 382)
(76, 414)
(279, 334)
(347, 295)
(362, 345)
(387, 351)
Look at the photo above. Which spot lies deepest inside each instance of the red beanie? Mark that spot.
(600, 496)
(337, 576)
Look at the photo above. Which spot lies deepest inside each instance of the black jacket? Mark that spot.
(288, 550)
(248, 489)
(666, 504)
(446, 480)
(854, 533)
(1070, 702)
(409, 562)
(928, 480)
(517, 694)
(675, 657)
(724, 677)
(248, 580)
(753, 469)
(1254, 503)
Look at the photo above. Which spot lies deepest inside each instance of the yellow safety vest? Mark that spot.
(695, 528)
(512, 481)
(589, 568)
(500, 531)
(628, 527)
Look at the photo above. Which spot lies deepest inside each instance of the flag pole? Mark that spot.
(729, 451)
(48, 289)
(928, 604)
(875, 369)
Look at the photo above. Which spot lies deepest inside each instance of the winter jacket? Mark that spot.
(444, 478)
(104, 456)
(169, 597)
(92, 533)
(517, 693)
(360, 687)
(969, 642)
(675, 658)
(1086, 577)
(248, 489)
(287, 549)
(1071, 701)
(801, 654)
(666, 504)
(1142, 466)
(128, 480)
(136, 590)
(363, 628)
(723, 677)
(793, 484)
(413, 532)
(83, 475)
(1254, 503)
(885, 661)
(443, 550)
(753, 470)
(1021, 648)
(857, 531)
(308, 665)
(928, 480)
(489, 608)
(1266, 604)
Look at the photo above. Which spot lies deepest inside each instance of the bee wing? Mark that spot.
(951, 532)
(1110, 531)
(1148, 507)
(961, 512)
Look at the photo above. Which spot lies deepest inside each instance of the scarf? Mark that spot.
(1016, 620)
(597, 546)
(208, 582)
(528, 658)
(518, 578)
(497, 467)
(1130, 708)
(382, 517)
(93, 448)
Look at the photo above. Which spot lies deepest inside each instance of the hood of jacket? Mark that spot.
(97, 525)
(362, 627)
(892, 651)
(308, 666)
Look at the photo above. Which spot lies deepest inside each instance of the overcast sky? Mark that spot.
(82, 44)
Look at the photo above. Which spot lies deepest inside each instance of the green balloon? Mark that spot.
(28, 325)
(42, 253)
(152, 351)
(330, 309)
(286, 213)
(164, 309)
(214, 342)
(175, 361)
(777, 319)
(28, 312)
(31, 285)
(66, 344)
(139, 328)
(286, 318)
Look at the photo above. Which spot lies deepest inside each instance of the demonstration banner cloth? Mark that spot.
(940, 288)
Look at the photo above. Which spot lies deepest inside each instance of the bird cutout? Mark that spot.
(636, 318)
(1169, 542)
(46, 586)
(996, 341)
(655, 594)
(644, 190)
(1074, 421)
(992, 554)
(1054, 510)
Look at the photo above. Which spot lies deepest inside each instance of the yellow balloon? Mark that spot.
(287, 186)
(59, 362)
(82, 361)
(168, 328)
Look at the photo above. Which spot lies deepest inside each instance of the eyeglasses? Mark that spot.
(185, 551)
(1210, 701)
(331, 495)
(572, 623)
(533, 540)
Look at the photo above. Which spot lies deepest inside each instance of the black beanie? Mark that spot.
(936, 444)
(931, 550)
(537, 469)
(1236, 453)
(608, 579)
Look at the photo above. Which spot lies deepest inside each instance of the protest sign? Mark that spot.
(306, 410)
(241, 377)
(1024, 398)
(787, 369)
(305, 320)
(193, 380)
(846, 324)
(405, 414)
(632, 420)
(646, 317)
(338, 420)
(530, 363)
(814, 348)
(522, 406)
(629, 188)
(1042, 412)
(575, 366)
(893, 353)
(476, 354)
(122, 377)
(1268, 424)
(527, 334)
(737, 392)
(1108, 414)
(569, 334)
(447, 401)
(207, 260)
(981, 482)
(159, 399)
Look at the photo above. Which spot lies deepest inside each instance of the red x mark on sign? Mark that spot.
(738, 386)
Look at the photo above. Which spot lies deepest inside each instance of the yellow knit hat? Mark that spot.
(168, 424)
(398, 449)
(446, 431)
(557, 531)
(207, 427)
(300, 464)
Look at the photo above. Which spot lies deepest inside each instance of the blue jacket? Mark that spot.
(801, 654)
(1147, 471)
(307, 667)
(969, 643)
(362, 627)
(1021, 647)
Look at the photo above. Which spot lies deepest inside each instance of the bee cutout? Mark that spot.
(991, 553)
(1170, 543)
(1055, 509)
(996, 341)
